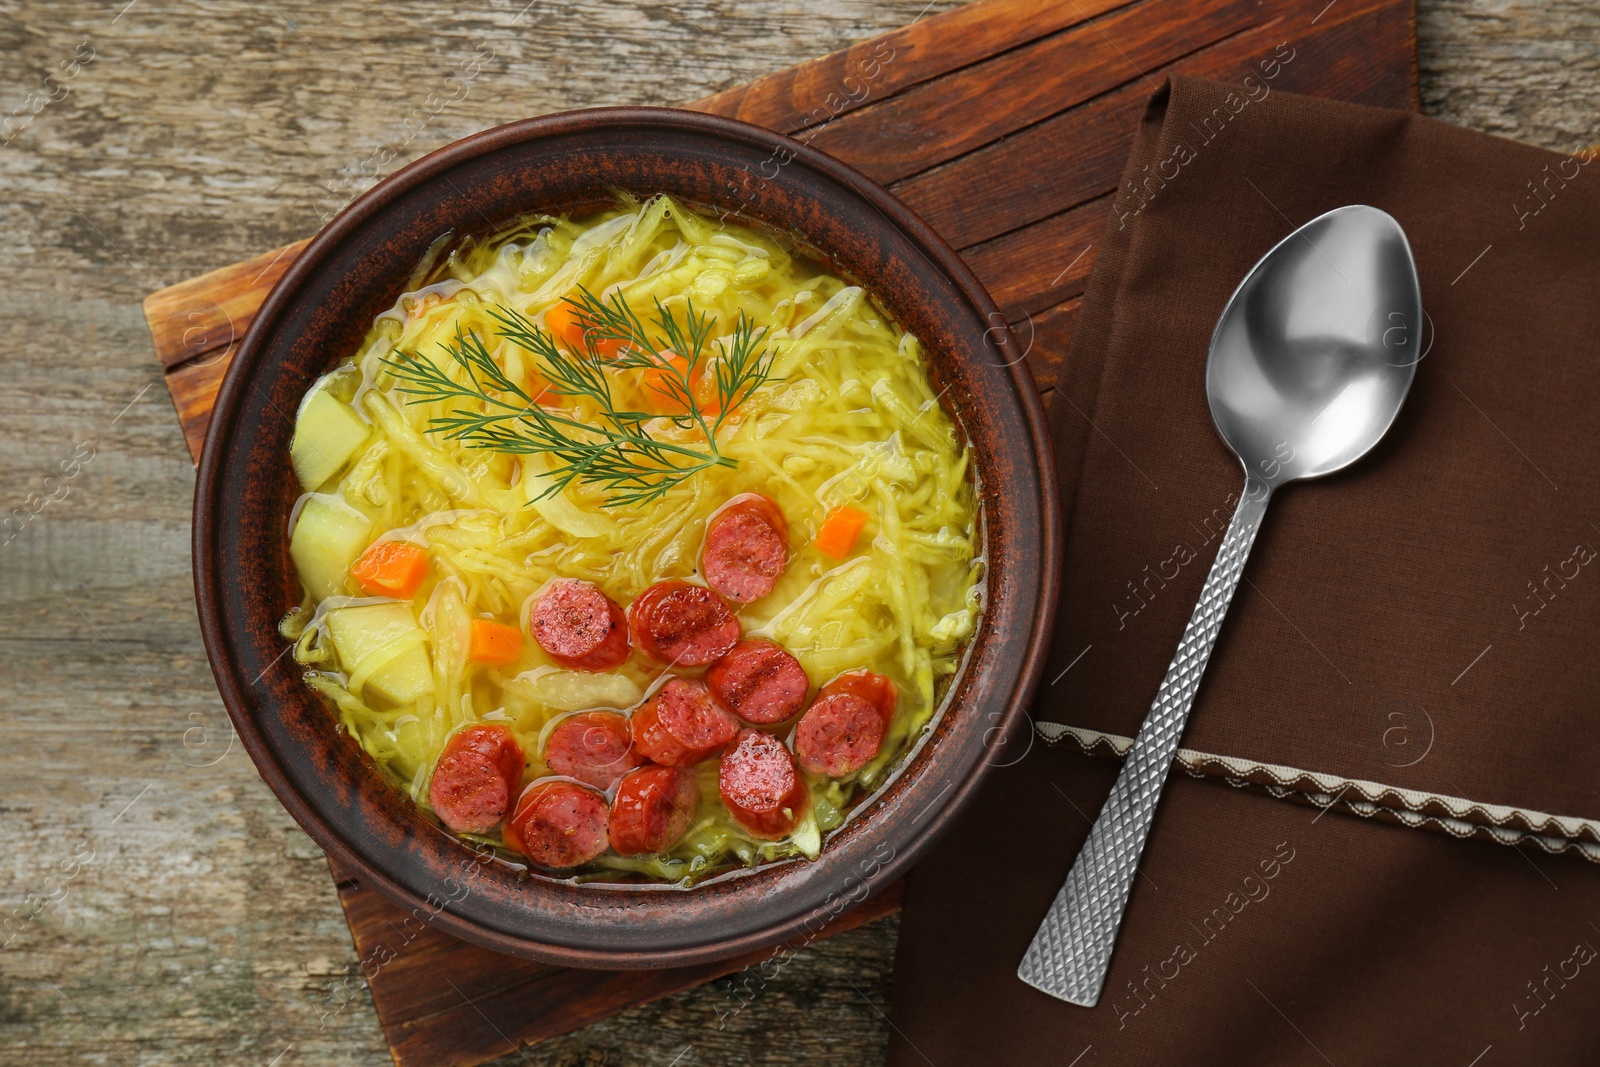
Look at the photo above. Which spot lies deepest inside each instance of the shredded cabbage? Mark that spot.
(847, 417)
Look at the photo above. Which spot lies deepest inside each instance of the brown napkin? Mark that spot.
(1416, 639)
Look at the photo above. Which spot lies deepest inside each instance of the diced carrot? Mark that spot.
(391, 568)
(494, 642)
(564, 323)
(667, 400)
(540, 389)
(705, 392)
(836, 537)
(656, 382)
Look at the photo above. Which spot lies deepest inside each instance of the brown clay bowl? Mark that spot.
(317, 314)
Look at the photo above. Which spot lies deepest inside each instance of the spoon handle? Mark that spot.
(1071, 952)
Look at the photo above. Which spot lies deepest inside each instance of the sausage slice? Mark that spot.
(476, 778)
(558, 824)
(746, 548)
(845, 726)
(653, 809)
(682, 724)
(760, 681)
(595, 747)
(760, 786)
(681, 624)
(579, 626)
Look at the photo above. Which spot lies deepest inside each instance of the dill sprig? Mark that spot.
(615, 450)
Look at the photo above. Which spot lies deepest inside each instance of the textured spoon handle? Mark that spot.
(1071, 952)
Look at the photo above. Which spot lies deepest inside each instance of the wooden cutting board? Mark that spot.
(1005, 123)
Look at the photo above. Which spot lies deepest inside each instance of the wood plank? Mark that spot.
(1043, 264)
(812, 93)
(194, 386)
(448, 1002)
(1044, 338)
(1077, 155)
(940, 120)
(214, 310)
(1037, 264)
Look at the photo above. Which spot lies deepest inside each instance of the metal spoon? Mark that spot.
(1308, 367)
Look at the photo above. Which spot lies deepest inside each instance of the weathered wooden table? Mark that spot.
(157, 904)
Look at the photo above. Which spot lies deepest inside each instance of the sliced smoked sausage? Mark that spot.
(759, 681)
(595, 747)
(476, 778)
(746, 548)
(579, 626)
(653, 809)
(681, 724)
(558, 824)
(760, 786)
(845, 726)
(681, 624)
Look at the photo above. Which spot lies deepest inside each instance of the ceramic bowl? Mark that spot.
(318, 313)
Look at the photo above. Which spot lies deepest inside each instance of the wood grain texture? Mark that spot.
(444, 1001)
(213, 311)
(199, 925)
(808, 94)
(1001, 187)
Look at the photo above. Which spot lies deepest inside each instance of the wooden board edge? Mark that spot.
(200, 315)
(408, 1038)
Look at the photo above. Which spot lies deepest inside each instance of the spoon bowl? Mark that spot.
(1314, 354)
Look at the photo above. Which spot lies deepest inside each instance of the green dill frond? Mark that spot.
(614, 451)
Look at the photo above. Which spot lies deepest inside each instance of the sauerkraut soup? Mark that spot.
(633, 544)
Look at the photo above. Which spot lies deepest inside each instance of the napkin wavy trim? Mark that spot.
(1438, 812)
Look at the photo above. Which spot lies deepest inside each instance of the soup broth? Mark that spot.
(569, 467)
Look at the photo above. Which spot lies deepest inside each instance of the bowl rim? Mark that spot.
(349, 221)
